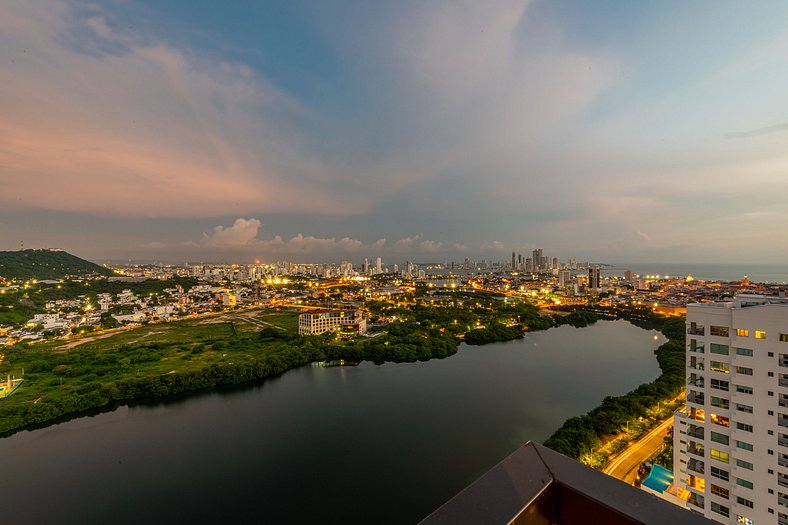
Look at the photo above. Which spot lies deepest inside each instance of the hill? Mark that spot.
(47, 264)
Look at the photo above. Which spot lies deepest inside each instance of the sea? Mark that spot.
(760, 273)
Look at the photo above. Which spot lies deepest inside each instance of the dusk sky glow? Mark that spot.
(305, 131)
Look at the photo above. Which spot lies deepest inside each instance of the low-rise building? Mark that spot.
(330, 320)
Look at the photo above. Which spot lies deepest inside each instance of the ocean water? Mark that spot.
(761, 273)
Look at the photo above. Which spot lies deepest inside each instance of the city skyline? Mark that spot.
(607, 132)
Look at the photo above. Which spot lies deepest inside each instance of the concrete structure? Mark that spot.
(316, 322)
(731, 442)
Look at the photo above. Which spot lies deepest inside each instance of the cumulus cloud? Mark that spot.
(241, 238)
(243, 232)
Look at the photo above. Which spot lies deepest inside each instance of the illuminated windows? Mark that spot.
(721, 331)
(719, 455)
(742, 332)
(760, 334)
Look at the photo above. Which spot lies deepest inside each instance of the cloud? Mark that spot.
(106, 121)
(243, 232)
(241, 238)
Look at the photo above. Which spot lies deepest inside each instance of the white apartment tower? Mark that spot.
(731, 442)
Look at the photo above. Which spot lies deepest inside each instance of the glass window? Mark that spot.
(744, 483)
(744, 464)
(719, 366)
(744, 408)
(720, 402)
(784, 338)
(745, 502)
(719, 438)
(720, 509)
(743, 389)
(719, 491)
(744, 370)
(718, 349)
(719, 473)
(760, 334)
(721, 331)
(719, 455)
(720, 420)
(744, 445)
(742, 332)
(719, 384)
(744, 351)
(744, 426)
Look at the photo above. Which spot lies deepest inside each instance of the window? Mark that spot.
(719, 473)
(721, 331)
(720, 420)
(745, 502)
(744, 351)
(744, 483)
(742, 389)
(744, 445)
(720, 402)
(719, 366)
(744, 464)
(714, 348)
(721, 492)
(720, 509)
(744, 370)
(719, 384)
(744, 408)
(719, 455)
(742, 332)
(760, 334)
(744, 426)
(784, 338)
(720, 438)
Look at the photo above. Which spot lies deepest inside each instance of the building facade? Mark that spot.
(318, 322)
(731, 441)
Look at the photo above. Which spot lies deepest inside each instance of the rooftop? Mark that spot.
(536, 485)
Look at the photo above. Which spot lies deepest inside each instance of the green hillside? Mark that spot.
(46, 264)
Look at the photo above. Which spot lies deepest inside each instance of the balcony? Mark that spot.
(782, 479)
(782, 519)
(782, 420)
(694, 482)
(698, 399)
(696, 432)
(782, 440)
(695, 381)
(696, 500)
(783, 360)
(696, 450)
(697, 365)
(782, 460)
(696, 466)
(696, 330)
(696, 347)
(783, 380)
(783, 402)
(782, 499)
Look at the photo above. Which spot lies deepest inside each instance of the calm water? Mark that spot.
(366, 444)
(762, 273)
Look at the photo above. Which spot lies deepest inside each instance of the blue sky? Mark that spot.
(610, 131)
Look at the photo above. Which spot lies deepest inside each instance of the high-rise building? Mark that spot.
(593, 278)
(564, 277)
(537, 259)
(731, 441)
(513, 260)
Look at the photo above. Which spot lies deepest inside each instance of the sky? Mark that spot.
(424, 130)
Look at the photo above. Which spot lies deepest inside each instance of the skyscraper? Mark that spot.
(731, 442)
(593, 278)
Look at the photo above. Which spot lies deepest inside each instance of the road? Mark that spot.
(625, 465)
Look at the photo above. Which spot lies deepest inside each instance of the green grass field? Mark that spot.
(67, 376)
